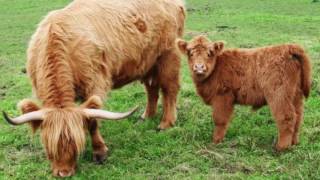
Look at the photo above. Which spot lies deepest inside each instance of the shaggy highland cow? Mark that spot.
(85, 50)
(279, 76)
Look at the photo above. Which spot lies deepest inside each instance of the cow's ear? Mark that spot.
(218, 47)
(27, 106)
(94, 102)
(182, 46)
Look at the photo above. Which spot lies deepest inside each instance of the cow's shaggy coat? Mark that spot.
(275, 75)
(91, 47)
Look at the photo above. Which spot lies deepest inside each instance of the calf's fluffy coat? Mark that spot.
(279, 76)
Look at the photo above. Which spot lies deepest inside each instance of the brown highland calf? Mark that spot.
(85, 50)
(275, 75)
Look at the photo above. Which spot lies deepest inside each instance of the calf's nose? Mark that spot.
(199, 68)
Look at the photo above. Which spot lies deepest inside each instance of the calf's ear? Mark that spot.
(182, 46)
(218, 46)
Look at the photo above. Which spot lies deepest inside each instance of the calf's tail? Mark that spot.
(298, 53)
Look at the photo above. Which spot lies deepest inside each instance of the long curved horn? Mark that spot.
(103, 114)
(31, 116)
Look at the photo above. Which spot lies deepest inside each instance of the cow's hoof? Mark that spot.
(146, 115)
(140, 120)
(159, 129)
(164, 126)
(100, 156)
(143, 116)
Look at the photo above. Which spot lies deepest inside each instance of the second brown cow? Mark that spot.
(279, 76)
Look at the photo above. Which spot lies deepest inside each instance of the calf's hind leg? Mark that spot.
(285, 116)
(168, 75)
(298, 103)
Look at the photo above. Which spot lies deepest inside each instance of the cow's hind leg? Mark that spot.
(99, 148)
(284, 113)
(168, 75)
(152, 89)
(298, 103)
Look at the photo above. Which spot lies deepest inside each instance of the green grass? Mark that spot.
(185, 151)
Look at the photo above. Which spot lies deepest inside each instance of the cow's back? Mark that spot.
(126, 28)
(107, 36)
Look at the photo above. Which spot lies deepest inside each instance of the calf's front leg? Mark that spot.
(298, 103)
(222, 112)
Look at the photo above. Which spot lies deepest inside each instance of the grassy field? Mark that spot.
(138, 151)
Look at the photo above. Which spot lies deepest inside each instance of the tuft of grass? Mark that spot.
(185, 151)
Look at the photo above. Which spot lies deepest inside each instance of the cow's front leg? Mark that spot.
(169, 109)
(152, 90)
(100, 150)
(169, 65)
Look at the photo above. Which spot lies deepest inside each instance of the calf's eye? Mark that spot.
(210, 54)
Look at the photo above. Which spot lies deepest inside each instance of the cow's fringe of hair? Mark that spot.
(63, 126)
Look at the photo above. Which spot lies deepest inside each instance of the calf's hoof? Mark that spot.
(295, 141)
(282, 147)
(217, 140)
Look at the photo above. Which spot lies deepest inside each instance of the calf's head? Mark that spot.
(201, 54)
(63, 130)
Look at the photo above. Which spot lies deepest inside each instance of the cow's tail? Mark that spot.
(299, 54)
